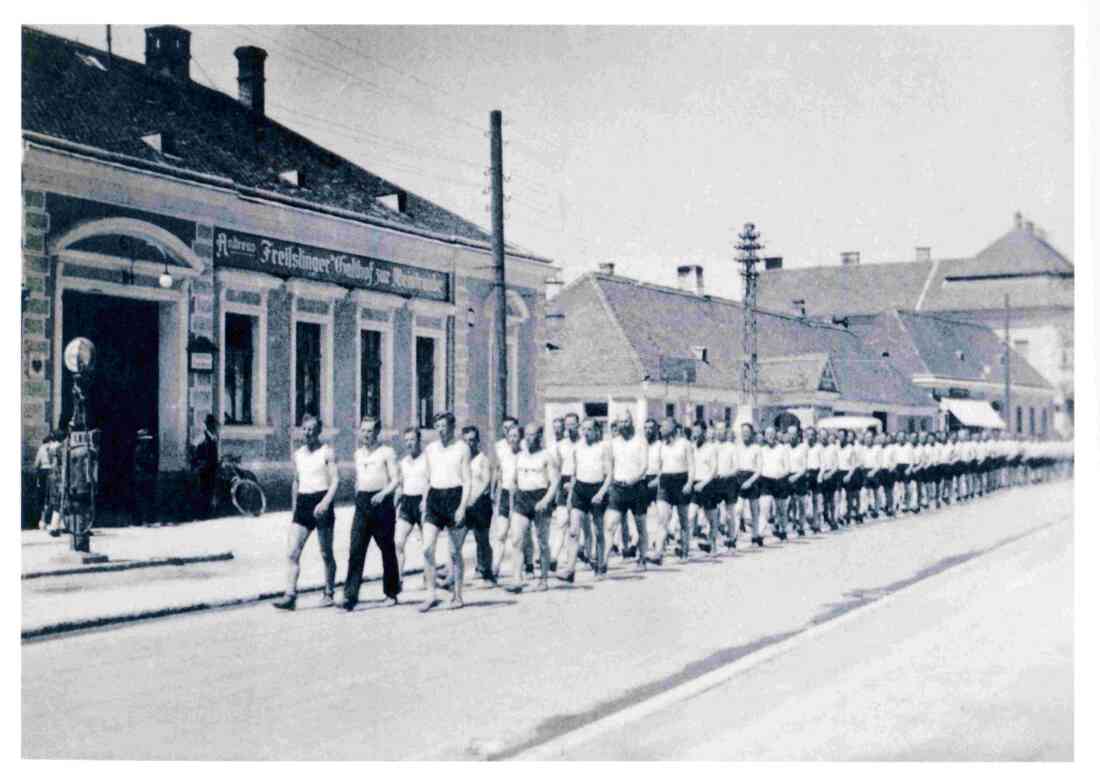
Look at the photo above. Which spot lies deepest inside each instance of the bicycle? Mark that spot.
(242, 487)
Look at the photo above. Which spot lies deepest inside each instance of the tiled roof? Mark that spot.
(924, 286)
(616, 330)
(924, 344)
(841, 290)
(67, 96)
(792, 373)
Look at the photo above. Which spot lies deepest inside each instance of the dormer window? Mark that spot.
(394, 201)
(293, 177)
(163, 142)
(90, 60)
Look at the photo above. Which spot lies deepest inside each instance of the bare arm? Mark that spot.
(394, 475)
(464, 474)
(333, 483)
(552, 490)
(608, 465)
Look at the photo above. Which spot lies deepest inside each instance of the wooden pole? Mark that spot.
(496, 152)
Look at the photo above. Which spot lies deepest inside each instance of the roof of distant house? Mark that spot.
(620, 331)
(1021, 264)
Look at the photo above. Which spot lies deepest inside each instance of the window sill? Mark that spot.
(244, 432)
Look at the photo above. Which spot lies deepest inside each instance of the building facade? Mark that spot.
(225, 265)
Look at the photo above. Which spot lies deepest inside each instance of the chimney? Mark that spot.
(690, 279)
(849, 258)
(773, 262)
(168, 51)
(607, 268)
(924, 253)
(1030, 226)
(250, 76)
(1018, 220)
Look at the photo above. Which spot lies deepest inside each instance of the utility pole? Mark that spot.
(1008, 368)
(110, 52)
(748, 244)
(496, 153)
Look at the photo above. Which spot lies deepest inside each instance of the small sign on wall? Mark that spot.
(200, 353)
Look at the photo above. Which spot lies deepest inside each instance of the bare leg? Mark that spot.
(458, 564)
(324, 539)
(431, 533)
(295, 542)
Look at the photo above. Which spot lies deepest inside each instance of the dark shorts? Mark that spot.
(629, 497)
(409, 508)
(303, 512)
(901, 472)
(479, 516)
(739, 479)
(583, 492)
(778, 488)
(505, 509)
(525, 500)
(813, 479)
(872, 480)
(442, 505)
(801, 486)
(710, 496)
(671, 490)
(856, 481)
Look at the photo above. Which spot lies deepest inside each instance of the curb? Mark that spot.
(43, 632)
(130, 564)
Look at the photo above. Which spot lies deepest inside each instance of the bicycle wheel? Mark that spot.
(249, 498)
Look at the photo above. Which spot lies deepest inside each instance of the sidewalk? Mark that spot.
(256, 571)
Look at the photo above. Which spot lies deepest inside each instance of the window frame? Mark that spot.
(256, 283)
(439, 379)
(253, 320)
(379, 302)
(304, 289)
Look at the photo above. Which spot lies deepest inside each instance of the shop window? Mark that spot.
(307, 372)
(1019, 418)
(425, 380)
(700, 413)
(370, 373)
(595, 410)
(911, 425)
(729, 416)
(670, 410)
(240, 368)
(1031, 421)
(1043, 423)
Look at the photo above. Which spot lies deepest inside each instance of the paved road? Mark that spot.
(894, 627)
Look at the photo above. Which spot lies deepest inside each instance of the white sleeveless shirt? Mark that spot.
(445, 464)
(312, 470)
(414, 475)
(589, 462)
(533, 470)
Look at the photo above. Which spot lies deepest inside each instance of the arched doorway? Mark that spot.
(124, 284)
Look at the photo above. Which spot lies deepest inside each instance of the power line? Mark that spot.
(323, 66)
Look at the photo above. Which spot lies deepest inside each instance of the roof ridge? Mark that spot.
(622, 331)
(808, 319)
(927, 283)
(912, 341)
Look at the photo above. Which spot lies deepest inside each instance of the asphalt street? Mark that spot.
(939, 636)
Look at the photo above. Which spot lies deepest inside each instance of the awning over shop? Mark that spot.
(973, 413)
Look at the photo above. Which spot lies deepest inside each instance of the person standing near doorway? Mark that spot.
(315, 483)
(376, 480)
(145, 479)
(205, 462)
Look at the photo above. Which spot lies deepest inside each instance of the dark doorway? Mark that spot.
(123, 394)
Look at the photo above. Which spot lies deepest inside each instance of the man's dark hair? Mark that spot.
(414, 430)
(446, 416)
(471, 428)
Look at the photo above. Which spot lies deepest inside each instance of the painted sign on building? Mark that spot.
(291, 259)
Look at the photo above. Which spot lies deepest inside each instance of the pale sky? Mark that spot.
(651, 146)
